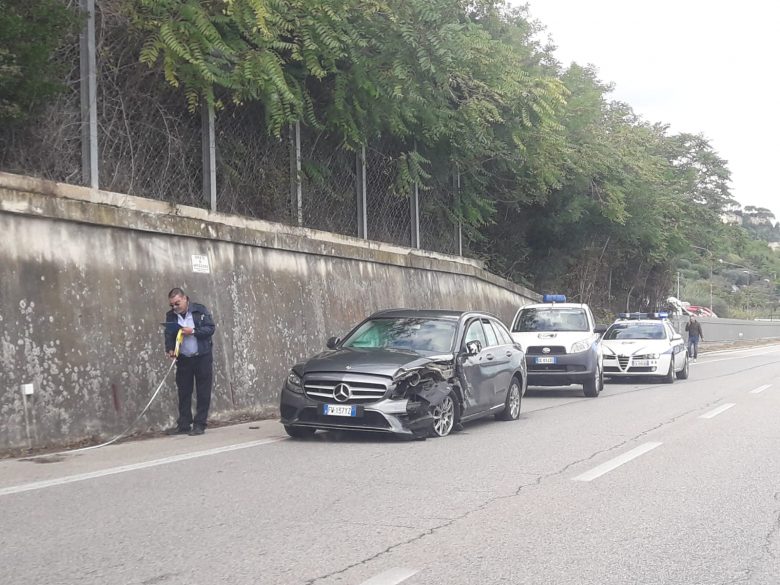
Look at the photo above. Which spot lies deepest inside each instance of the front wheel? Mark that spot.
(299, 432)
(592, 387)
(683, 374)
(444, 415)
(669, 377)
(512, 406)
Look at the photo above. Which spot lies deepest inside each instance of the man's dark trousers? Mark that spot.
(197, 371)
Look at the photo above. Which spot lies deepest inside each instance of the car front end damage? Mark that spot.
(400, 403)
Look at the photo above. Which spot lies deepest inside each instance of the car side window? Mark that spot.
(492, 338)
(503, 335)
(474, 332)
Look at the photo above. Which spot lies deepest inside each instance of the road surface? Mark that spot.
(648, 484)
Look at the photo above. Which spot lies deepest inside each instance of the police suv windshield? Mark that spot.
(424, 336)
(635, 331)
(551, 319)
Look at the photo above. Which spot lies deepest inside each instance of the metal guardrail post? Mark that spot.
(88, 65)
(209, 148)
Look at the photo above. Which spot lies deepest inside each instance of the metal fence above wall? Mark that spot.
(120, 127)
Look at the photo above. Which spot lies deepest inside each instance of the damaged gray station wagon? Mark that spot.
(410, 372)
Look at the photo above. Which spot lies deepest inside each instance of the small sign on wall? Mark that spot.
(200, 264)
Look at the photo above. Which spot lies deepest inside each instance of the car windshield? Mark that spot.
(551, 319)
(635, 331)
(424, 336)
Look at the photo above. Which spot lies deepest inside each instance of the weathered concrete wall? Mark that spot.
(84, 276)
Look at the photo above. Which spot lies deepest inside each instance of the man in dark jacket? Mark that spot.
(194, 367)
(693, 327)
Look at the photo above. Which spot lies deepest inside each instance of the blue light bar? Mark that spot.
(554, 298)
(660, 315)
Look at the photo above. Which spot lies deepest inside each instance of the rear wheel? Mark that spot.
(513, 399)
(592, 387)
(300, 432)
(683, 374)
(444, 415)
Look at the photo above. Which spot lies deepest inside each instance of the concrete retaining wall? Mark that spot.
(84, 276)
(731, 329)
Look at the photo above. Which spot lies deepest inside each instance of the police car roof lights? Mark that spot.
(636, 316)
(554, 298)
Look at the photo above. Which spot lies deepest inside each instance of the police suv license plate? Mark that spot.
(545, 360)
(339, 410)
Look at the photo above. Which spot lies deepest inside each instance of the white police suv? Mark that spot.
(561, 343)
(644, 344)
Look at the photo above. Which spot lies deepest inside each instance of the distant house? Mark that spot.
(732, 217)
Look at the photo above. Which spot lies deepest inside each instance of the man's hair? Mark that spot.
(175, 292)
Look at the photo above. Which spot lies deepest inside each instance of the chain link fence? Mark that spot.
(150, 145)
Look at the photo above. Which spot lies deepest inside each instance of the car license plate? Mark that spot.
(544, 360)
(642, 363)
(339, 410)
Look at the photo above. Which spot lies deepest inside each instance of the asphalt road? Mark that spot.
(647, 484)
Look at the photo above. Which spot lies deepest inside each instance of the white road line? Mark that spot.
(39, 485)
(390, 577)
(760, 389)
(617, 462)
(717, 411)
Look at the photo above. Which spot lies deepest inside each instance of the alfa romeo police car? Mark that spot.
(644, 344)
(561, 343)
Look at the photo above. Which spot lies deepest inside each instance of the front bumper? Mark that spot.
(396, 416)
(624, 366)
(569, 368)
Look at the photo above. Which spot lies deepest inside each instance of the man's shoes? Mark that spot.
(177, 431)
(197, 431)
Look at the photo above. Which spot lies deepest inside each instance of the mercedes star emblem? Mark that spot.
(342, 393)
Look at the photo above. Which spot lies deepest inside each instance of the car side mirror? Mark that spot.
(473, 347)
(332, 342)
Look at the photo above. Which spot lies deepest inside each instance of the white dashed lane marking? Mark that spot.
(717, 411)
(760, 389)
(612, 464)
(390, 577)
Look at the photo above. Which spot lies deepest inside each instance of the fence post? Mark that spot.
(209, 149)
(296, 189)
(88, 66)
(457, 208)
(415, 211)
(362, 216)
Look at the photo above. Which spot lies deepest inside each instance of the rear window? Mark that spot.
(551, 319)
(636, 331)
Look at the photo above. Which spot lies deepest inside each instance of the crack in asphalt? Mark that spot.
(773, 532)
(484, 505)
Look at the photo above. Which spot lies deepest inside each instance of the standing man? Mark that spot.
(693, 327)
(194, 366)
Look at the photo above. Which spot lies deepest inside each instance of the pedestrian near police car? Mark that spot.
(194, 366)
(695, 335)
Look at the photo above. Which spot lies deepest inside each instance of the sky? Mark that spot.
(707, 68)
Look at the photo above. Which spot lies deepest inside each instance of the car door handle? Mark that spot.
(489, 356)
(509, 354)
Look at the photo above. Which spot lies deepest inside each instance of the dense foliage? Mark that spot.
(562, 188)
(30, 32)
